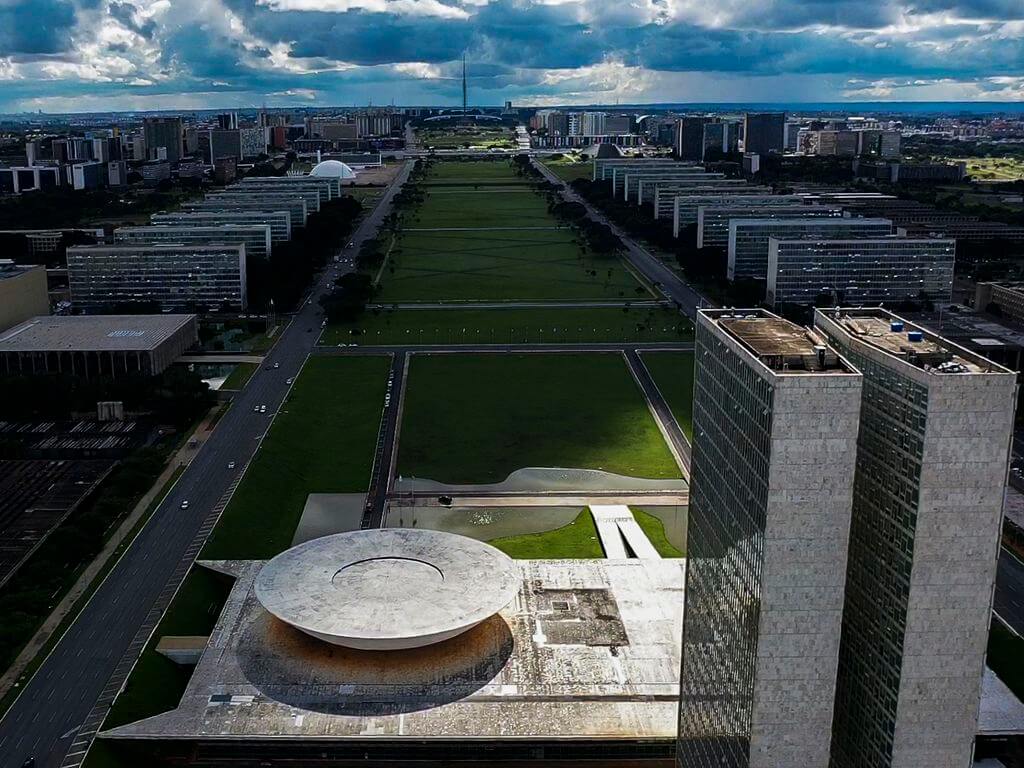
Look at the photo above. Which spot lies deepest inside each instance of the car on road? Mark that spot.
(255, 409)
(184, 504)
(350, 244)
(231, 465)
(289, 381)
(277, 365)
(263, 409)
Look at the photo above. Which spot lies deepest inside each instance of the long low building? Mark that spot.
(625, 179)
(748, 238)
(685, 204)
(334, 184)
(255, 237)
(296, 207)
(175, 277)
(23, 292)
(647, 187)
(713, 220)
(280, 222)
(860, 272)
(97, 345)
(665, 193)
(311, 197)
(603, 167)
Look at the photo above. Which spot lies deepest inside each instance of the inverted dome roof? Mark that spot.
(333, 169)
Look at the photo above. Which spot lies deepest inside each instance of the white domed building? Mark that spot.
(332, 169)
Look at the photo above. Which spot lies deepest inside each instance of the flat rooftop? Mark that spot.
(781, 345)
(9, 270)
(910, 342)
(587, 649)
(93, 333)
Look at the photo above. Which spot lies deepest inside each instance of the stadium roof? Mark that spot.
(93, 333)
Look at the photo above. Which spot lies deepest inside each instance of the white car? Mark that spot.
(184, 504)
(288, 381)
(263, 409)
(231, 465)
(255, 409)
(277, 365)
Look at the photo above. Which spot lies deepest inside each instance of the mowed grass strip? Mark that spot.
(511, 326)
(502, 265)
(477, 418)
(321, 442)
(673, 373)
(654, 530)
(484, 207)
(576, 541)
(471, 170)
(570, 171)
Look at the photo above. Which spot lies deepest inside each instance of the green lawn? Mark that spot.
(156, 683)
(505, 265)
(321, 442)
(655, 531)
(471, 170)
(477, 418)
(673, 373)
(507, 326)
(576, 541)
(454, 138)
(463, 206)
(570, 171)
(239, 376)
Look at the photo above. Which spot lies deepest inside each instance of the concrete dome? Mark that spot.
(333, 169)
(389, 588)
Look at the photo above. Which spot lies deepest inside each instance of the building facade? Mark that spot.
(255, 237)
(933, 452)
(775, 416)
(763, 132)
(748, 238)
(713, 220)
(294, 206)
(860, 272)
(23, 293)
(163, 133)
(279, 222)
(176, 277)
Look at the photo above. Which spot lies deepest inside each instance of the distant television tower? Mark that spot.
(465, 111)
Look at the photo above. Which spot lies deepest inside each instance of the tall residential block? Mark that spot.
(860, 272)
(748, 238)
(764, 132)
(163, 133)
(775, 418)
(936, 424)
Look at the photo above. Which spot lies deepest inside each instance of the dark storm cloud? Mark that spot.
(35, 26)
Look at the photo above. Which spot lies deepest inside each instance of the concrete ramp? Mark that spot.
(617, 527)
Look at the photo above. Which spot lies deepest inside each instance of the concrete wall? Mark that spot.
(22, 297)
(956, 546)
(815, 420)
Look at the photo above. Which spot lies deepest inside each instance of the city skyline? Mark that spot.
(242, 53)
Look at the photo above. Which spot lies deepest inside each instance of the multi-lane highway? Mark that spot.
(642, 260)
(52, 712)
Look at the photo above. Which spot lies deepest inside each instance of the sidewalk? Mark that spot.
(112, 546)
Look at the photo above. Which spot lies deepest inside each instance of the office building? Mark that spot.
(690, 138)
(18, 179)
(322, 186)
(618, 124)
(715, 190)
(840, 143)
(255, 237)
(296, 206)
(629, 178)
(228, 121)
(720, 138)
(713, 219)
(240, 143)
(763, 132)
(206, 278)
(775, 417)
(593, 124)
(333, 183)
(154, 172)
(603, 166)
(748, 238)
(133, 146)
(225, 170)
(309, 195)
(117, 173)
(860, 272)
(936, 424)
(163, 133)
(279, 222)
(790, 136)
(647, 188)
(99, 345)
(90, 175)
(22, 292)
(1007, 296)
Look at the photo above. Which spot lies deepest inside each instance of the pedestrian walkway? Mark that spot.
(617, 528)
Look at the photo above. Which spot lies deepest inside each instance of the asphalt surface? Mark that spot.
(44, 720)
(642, 260)
(1009, 599)
(554, 347)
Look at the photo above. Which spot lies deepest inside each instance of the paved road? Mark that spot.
(59, 698)
(1009, 601)
(554, 347)
(522, 305)
(641, 259)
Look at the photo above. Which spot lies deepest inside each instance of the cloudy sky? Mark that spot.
(81, 55)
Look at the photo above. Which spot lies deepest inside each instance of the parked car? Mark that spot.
(231, 465)
(184, 504)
